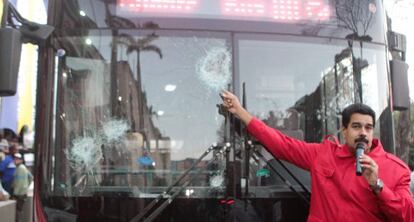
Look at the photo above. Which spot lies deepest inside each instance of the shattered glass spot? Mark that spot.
(85, 154)
(216, 181)
(114, 129)
(214, 70)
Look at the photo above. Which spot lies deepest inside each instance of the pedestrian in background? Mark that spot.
(21, 183)
(3, 145)
(7, 166)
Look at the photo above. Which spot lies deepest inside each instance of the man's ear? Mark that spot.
(343, 130)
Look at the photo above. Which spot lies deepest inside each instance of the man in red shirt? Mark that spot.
(382, 192)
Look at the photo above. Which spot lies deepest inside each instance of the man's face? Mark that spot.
(18, 161)
(360, 125)
(5, 149)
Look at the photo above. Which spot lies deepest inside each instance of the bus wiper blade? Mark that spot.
(163, 195)
(287, 182)
(167, 202)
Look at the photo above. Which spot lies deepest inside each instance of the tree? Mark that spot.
(356, 16)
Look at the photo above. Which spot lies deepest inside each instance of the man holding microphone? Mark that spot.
(380, 193)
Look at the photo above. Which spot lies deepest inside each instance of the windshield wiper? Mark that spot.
(169, 198)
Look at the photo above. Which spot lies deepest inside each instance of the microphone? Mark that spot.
(360, 147)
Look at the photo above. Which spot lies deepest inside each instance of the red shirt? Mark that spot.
(337, 193)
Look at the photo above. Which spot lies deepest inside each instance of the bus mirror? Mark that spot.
(32, 32)
(399, 81)
(35, 33)
(10, 45)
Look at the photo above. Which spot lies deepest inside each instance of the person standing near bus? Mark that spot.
(3, 146)
(21, 183)
(382, 193)
(7, 167)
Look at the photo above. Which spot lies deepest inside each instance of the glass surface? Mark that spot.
(323, 78)
(138, 125)
(141, 124)
(305, 100)
(359, 20)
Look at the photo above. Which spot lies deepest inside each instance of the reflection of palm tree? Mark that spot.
(115, 23)
(133, 45)
(138, 46)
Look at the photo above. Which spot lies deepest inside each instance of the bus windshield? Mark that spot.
(136, 93)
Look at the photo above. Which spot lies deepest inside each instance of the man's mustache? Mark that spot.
(361, 140)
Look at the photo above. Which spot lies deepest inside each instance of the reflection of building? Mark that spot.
(317, 113)
(80, 105)
(339, 87)
(128, 107)
(84, 106)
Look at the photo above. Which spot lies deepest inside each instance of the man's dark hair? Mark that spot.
(356, 108)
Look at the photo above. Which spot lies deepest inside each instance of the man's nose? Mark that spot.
(363, 133)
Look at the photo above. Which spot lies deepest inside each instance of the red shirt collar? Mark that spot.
(376, 150)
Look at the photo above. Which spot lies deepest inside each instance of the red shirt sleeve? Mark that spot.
(284, 147)
(397, 204)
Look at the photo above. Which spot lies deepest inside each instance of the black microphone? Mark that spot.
(360, 147)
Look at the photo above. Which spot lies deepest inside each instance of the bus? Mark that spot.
(129, 125)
